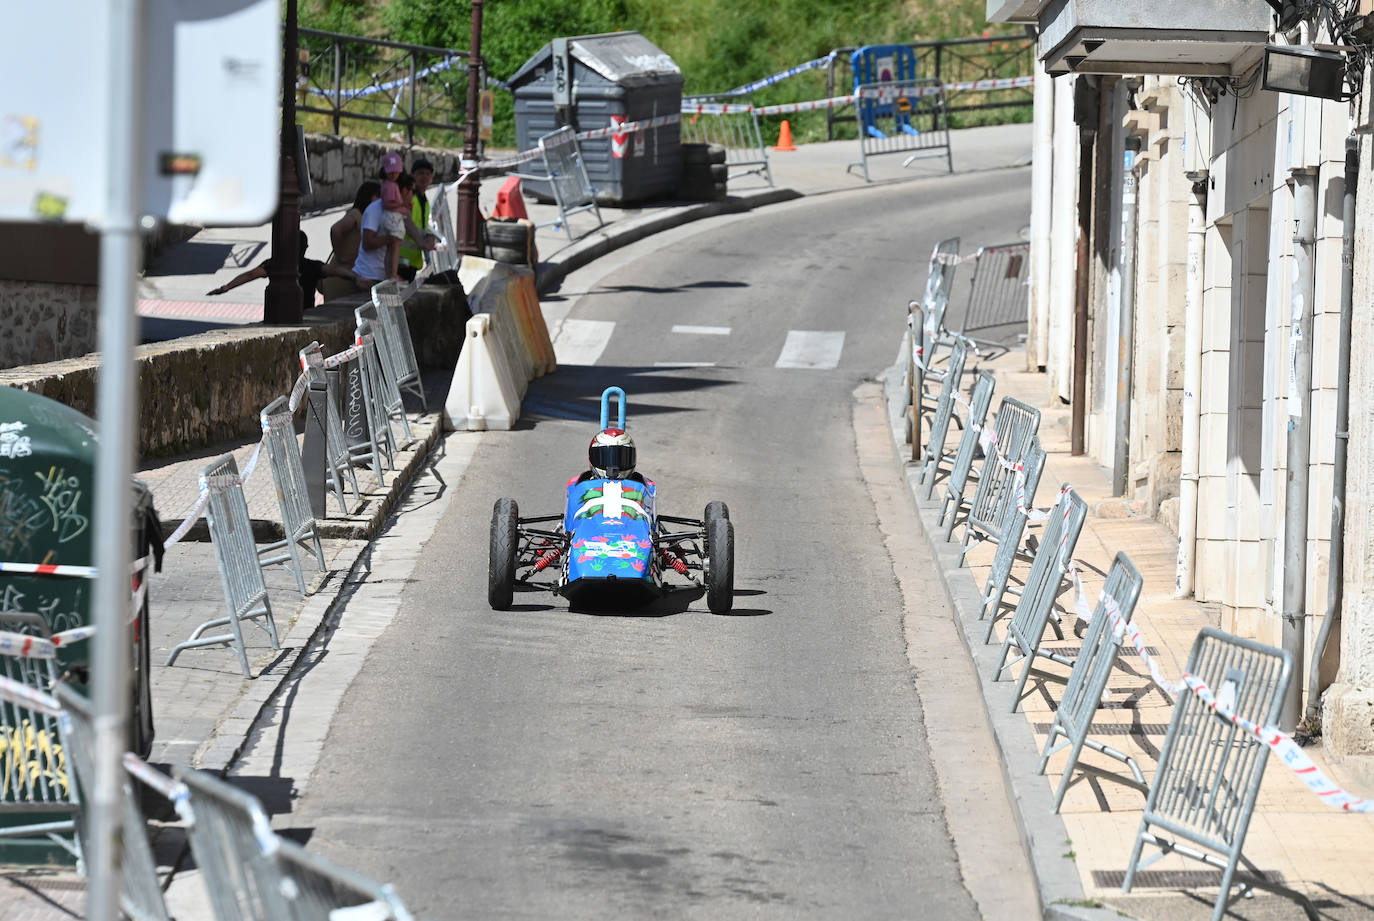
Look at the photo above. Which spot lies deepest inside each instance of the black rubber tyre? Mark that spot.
(696, 153)
(501, 562)
(509, 255)
(715, 509)
(720, 565)
(515, 234)
(720, 172)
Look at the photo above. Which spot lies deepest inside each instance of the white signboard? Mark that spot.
(211, 119)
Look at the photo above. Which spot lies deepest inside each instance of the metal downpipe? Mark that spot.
(1335, 582)
(1192, 383)
(1125, 329)
(1295, 499)
(1042, 208)
(1081, 346)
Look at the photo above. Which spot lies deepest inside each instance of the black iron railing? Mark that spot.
(393, 83)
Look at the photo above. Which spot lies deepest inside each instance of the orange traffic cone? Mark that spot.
(785, 137)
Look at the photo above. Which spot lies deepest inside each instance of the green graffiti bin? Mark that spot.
(48, 455)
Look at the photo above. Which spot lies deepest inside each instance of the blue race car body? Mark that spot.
(610, 541)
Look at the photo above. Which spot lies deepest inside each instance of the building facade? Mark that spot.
(1214, 340)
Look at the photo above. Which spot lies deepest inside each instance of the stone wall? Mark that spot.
(208, 389)
(45, 321)
(338, 165)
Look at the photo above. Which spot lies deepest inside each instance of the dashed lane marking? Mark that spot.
(702, 330)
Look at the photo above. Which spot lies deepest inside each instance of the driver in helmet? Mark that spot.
(612, 457)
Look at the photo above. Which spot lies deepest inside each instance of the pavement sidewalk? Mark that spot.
(1080, 855)
(203, 707)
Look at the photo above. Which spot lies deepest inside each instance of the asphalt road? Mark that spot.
(672, 763)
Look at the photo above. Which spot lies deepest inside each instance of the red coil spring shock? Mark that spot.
(548, 559)
(675, 561)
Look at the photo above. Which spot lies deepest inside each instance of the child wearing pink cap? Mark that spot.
(394, 212)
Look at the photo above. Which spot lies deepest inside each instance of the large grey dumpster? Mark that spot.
(595, 81)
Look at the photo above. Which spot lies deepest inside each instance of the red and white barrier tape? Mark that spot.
(881, 93)
(1280, 743)
(48, 569)
(37, 647)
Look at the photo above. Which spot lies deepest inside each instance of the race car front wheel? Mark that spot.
(715, 509)
(720, 565)
(505, 536)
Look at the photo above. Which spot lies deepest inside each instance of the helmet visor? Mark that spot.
(614, 459)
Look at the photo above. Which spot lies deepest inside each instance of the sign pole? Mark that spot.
(469, 215)
(282, 299)
(120, 253)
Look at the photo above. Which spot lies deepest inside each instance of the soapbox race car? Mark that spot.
(610, 545)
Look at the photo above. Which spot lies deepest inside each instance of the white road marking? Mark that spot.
(581, 342)
(808, 349)
(702, 330)
(684, 364)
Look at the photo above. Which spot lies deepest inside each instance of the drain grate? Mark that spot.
(1170, 879)
(1125, 650)
(1115, 729)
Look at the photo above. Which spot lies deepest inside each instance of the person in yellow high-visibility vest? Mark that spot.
(412, 260)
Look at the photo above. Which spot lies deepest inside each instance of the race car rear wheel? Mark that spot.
(715, 509)
(505, 537)
(720, 564)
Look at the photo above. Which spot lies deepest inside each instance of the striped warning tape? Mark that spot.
(1279, 742)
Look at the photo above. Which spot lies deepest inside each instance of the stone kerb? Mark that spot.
(208, 389)
(338, 165)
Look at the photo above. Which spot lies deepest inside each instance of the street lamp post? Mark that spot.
(282, 300)
(469, 229)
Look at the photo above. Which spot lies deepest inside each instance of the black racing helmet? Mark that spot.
(612, 454)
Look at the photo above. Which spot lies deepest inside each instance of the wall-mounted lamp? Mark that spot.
(1304, 70)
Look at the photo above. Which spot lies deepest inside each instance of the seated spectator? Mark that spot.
(345, 236)
(371, 262)
(312, 271)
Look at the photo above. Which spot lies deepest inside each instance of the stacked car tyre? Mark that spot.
(511, 241)
(704, 173)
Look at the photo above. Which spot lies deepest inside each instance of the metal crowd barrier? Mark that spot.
(254, 875)
(442, 258)
(1009, 547)
(566, 175)
(902, 117)
(1088, 682)
(962, 469)
(740, 135)
(386, 383)
(999, 291)
(232, 842)
(934, 302)
(35, 776)
(939, 427)
(240, 572)
(140, 892)
(288, 474)
(338, 461)
(383, 401)
(1046, 576)
(398, 351)
(994, 499)
(1210, 769)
